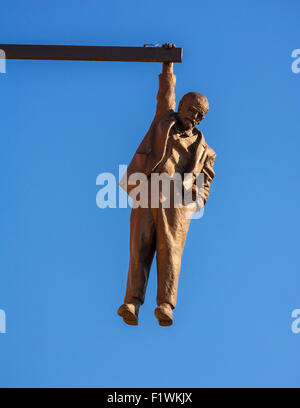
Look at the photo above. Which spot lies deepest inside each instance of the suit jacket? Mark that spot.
(152, 149)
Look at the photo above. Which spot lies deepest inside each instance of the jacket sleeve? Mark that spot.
(209, 175)
(166, 95)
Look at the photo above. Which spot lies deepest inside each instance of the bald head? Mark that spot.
(196, 100)
(192, 108)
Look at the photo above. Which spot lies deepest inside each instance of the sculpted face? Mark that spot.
(192, 110)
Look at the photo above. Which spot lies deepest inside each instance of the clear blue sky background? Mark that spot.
(64, 261)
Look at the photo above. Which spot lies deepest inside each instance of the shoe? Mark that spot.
(164, 314)
(129, 312)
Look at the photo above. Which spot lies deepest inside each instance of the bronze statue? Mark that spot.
(172, 144)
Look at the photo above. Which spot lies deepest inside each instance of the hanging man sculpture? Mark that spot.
(172, 145)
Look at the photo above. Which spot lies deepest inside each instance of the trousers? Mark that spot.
(160, 230)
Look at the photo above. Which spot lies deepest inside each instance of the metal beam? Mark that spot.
(91, 53)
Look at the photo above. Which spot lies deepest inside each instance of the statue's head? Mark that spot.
(192, 109)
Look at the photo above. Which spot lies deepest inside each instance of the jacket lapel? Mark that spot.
(159, 142)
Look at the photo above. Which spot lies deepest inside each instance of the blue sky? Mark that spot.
(64, 261)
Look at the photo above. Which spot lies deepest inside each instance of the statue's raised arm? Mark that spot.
(166, 91)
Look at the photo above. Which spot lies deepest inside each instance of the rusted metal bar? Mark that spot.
(91, 53)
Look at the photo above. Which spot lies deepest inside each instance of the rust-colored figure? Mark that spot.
(172, 144)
